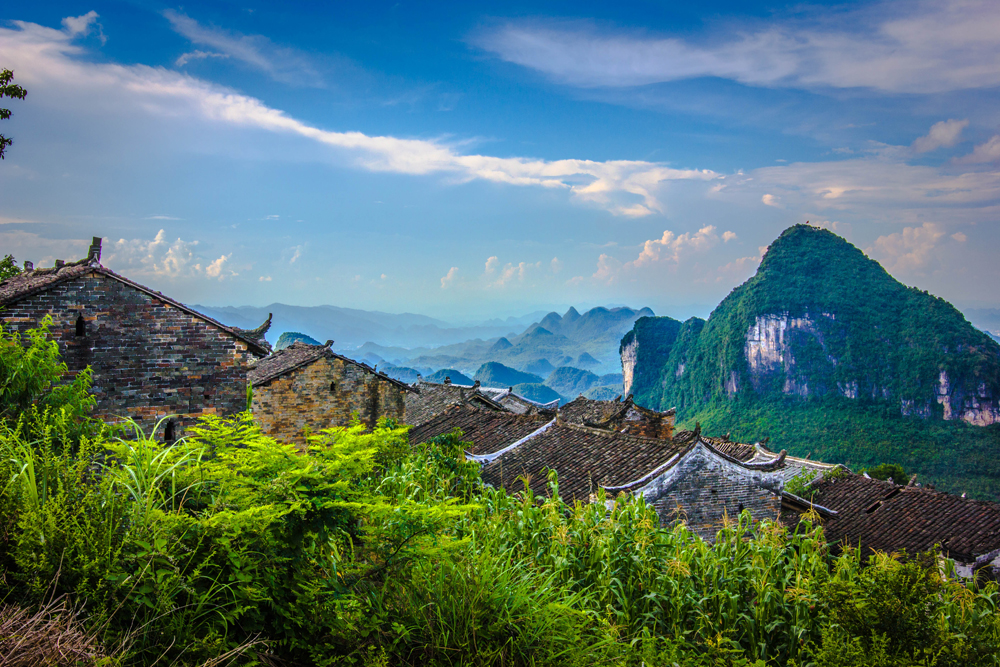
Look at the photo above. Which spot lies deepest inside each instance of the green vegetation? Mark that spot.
(289, 337)
(603, 393)
(570, 381)
(867, 336)
(456, 377)
(538, 392)
(495, 374)
(228, 547)
(951, 455)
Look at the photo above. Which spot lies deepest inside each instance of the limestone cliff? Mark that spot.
(820, 319)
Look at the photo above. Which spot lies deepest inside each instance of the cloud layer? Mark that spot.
(910, 47)
(48, 59)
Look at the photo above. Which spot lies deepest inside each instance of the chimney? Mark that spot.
(94, 253)
(476, 383)
(59, 263)
(28, 266)
(447, 380)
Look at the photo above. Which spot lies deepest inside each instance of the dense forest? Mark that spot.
(860, 368)
(227, 547)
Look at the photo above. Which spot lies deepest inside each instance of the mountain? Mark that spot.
(540, 367)
(289, 337)
(493, 374)
(449, 374)
(351, 327)
(570, 381)
(821, 329)
(538, 392)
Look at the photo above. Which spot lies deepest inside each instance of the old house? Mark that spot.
(873, 515)
(622, 416)
(488, 432)
(151, 356)
(309, 387)
(433, 398)
(686, 479)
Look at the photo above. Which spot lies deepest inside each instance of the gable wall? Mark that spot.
(149, 359)
(286, 405)
(702, 490)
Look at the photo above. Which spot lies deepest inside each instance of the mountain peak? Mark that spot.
(572, 315)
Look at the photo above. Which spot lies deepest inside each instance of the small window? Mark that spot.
(169, 433)
(741, 508)
(81, 326)
(333, 387)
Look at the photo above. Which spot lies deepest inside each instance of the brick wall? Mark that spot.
(661, 427)
(149, 359)
(303, 397)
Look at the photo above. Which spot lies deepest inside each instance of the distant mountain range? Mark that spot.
(350, 328)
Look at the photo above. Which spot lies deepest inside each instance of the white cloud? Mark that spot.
(899, 47)
(160, 217)
(556, 265)
(449, 277)
(491, 265)
(942, 135)
(47, 59)
(770, 200)
(294, 253)
(670, 247)
(81, 25)
(512, 271)
(728, 236)
(607, 268)
(185, 58)
(281, 64)
(265, 279)
(960, 237)
(983, 153)
(216, 268)
(908, 251)
(158, 257)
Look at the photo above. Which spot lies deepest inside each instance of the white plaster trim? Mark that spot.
(486, 458)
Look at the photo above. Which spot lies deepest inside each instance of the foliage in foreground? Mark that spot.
(229, 547)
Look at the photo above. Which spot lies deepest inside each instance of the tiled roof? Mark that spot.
(300, 354)
(585, 459)
(487, 430)
(737, 450)
(35, 281)
(435, 398)
(883, 516)
(617, 415)
(583, 410)
(517, 403)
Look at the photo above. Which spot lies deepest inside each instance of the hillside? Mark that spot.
(821, 327)
(493, 374)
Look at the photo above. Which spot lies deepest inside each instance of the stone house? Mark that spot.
(310, 387)
(686, 478)
(617, 415)
(151, 356)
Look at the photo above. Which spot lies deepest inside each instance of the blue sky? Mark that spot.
(476, 161)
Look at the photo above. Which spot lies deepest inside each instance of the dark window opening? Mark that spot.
(169, 433)
(333, 387)
(81, 326)
(741, 508)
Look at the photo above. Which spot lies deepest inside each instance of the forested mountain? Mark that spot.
(823, 330)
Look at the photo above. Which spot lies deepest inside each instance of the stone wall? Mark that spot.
(149, 359)
(703, 499)
(325, 393)
(703, 488)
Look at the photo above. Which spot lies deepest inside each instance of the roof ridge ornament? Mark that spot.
(94, 252)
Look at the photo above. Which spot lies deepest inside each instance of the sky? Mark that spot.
(477, 160)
